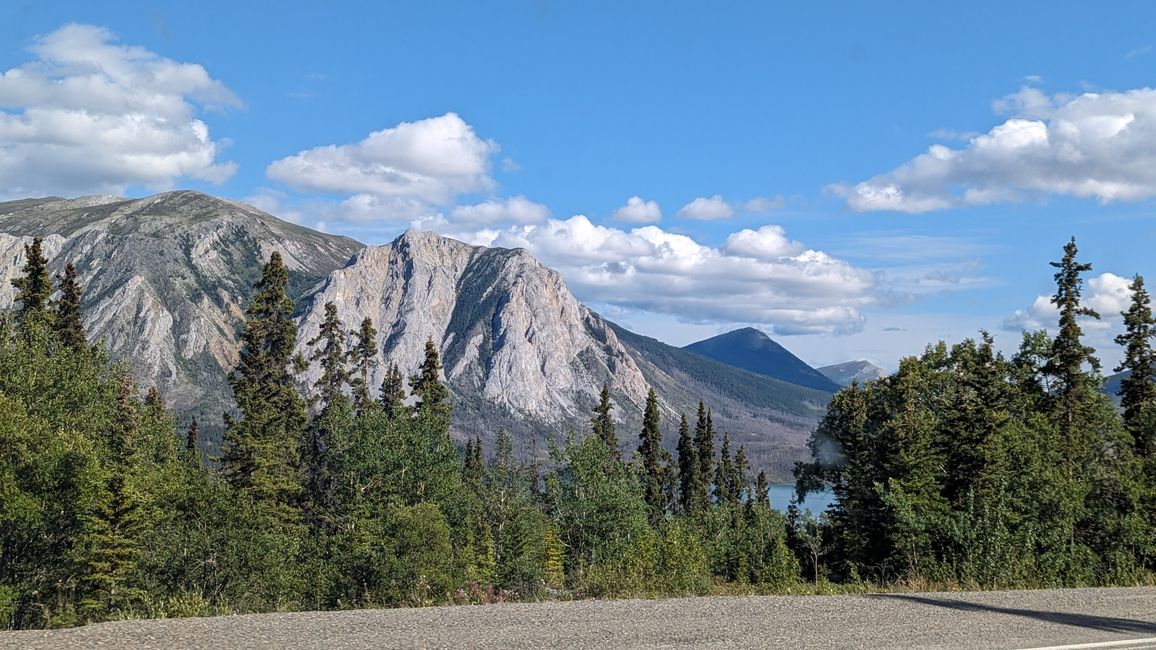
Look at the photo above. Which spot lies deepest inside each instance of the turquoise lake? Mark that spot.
(782, 493)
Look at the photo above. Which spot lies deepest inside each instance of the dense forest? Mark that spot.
(964, 468)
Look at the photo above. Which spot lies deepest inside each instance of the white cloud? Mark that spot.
(637, 210)
(1093, 145)
(766, 243)
(431, 160)
(517, 210)
(764, 204)
(756, 277)
(90, 115)
(707, 208)
(1106, 293)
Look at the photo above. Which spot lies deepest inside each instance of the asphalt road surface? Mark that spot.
(1119, 619)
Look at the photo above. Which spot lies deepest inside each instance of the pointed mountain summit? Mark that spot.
(849, 371)
(751, 349)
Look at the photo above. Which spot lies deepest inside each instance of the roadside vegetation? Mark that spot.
(962, 469)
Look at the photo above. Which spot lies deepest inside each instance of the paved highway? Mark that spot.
(1119, 619)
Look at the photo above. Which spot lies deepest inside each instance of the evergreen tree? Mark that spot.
(113, 529)
(649, 447)
(724, 474)
(739, 479)
(1138, 390)
(393, 393)
(329, 353)
(1069, 354)
(602, 423)
(34, 286)
(762, 489)
(192, 434)
(688, 476)
(261, 456)
(66, 320)
(363, 357)
(333, 418)
(704, 451)
(433, 396)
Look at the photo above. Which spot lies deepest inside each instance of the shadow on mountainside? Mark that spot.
(1087, 621)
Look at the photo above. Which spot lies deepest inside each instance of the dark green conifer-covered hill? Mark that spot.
(753, 350)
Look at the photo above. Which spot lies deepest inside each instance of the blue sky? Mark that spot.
(814, 125)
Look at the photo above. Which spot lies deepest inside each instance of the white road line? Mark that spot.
(1124, 643)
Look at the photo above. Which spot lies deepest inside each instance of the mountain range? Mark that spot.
(167, 278)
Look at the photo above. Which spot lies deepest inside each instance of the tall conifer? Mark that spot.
(1138, 390)
(704, 446)
(66, 321)
(261, 447)
(393, 393)
(649, 446)
(688, 472)
(34, 286)
(363, 358)
(433, 396)
(603, 423)
(1069, 354)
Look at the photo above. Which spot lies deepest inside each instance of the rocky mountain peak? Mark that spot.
(512, 337)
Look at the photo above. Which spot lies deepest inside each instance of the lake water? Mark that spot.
(782, 493)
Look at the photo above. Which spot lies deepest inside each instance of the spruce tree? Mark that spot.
(261, 455)
(602, 423)
(66, 319)
(333, 418)
(329, 353)
(192, 434)
(1138, 389)
(649, 446)
(363, 358)
(1069, 354)
(704, 450)
(34, 286)
(393, 394)
(724, 473)
(433, 396)
(739, 477)
(688, 472)
(762, 489)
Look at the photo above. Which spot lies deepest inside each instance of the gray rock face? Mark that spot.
(166, 279)
(849, 371)
(516, 346)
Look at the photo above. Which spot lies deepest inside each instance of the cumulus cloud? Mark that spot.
(90, 115)
(517, 210)
(1092, 145)
(757, 276)
(707, 208)
(1106, 293)
(637, 210)
(431, 160)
